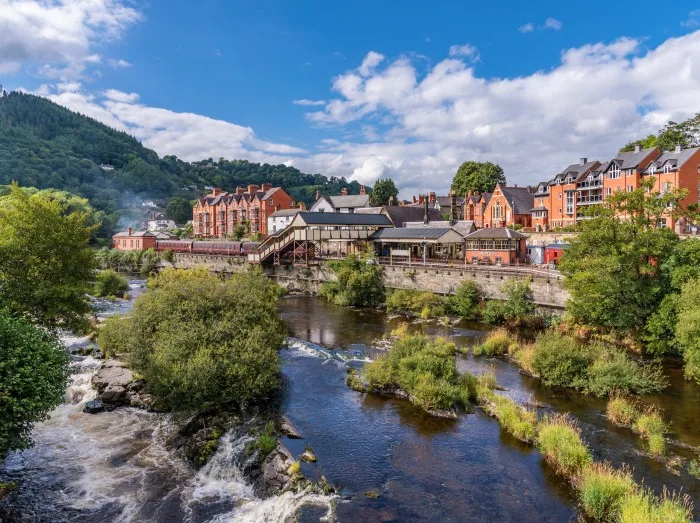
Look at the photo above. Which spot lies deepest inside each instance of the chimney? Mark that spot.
(128, 231)
(318, 194)
(469, 194)
(637, 147)
(252, 188)
(516, 185)
(239, 191)
(344, 191)
(363, 190)
(216, 191)
(432, 197)
(584, 161)
(421, 198)
(453, 208)
(426, 220)
(415, 200)
(679, 148)
(266, 187)
(302, 206)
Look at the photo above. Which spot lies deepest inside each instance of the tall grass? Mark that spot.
(559, 441)
(643, 506)
(651, 425)
(602, 490)
(514, 419)
(622, 411)
(497, 343)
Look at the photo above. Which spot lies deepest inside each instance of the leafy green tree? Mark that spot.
(465, 302)
(685, 133)
(109, 283)
(477, 177)
(34, 371)
(178, 209)
(46, 265)
(611, 268)
(384, 192)
(688, 328)
(517, 309)
(358, 282)
(645, 143)
(201, 342)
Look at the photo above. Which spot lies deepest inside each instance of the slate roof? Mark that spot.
(143, 234)
(341, 218)
(463, 227)
(539, 208)
(677, 160)
(630, 160)
(285, 212)
(349, 201)
(495, 233)
(400, 214)
(520, 199)
(446, 201)
(406, 233)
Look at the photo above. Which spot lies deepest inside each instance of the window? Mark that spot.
(569, 202)
(614, 172)
(630, 172)
(652, 169)
(630, 188)
(291, 203)
(667, 168)
(138, 243)
(665, 187)
(497, 211)
(560, 196)
(608, 191)
(131, 243)
(662, 223)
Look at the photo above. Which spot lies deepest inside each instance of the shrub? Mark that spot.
(494, 312)
(465, 302)
(559, 441)
(168, 255)
(524, 355)
(514, 419)
(115, 336)
(517, 309)
(602, 489)
(644, 506)
(34, 373)
(694, 468)
(560, 360)
(497, 343)
(266, 441)
(651, 425)
(358, 282)
(202, 342)
(424, 369)
(109, 283)
(622, 410)
(426, 304)
(614, 371)
(656, 444)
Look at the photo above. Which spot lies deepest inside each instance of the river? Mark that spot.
(390, 461)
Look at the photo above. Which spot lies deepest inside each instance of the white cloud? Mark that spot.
(553, 23)
(693, 19)
(371, 61)
(57, 36)
(307, 102)
(120, 96)
(369, 172)
(118, 64)
(466, 51)
(527, 28)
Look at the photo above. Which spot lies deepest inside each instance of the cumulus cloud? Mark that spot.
(118, 64)
(553, 23)
(466, 51)
(120, 96)
(527, 28)
(57, 36)
(369, 172)
(306, 101)
(371, 61)
(550, 23)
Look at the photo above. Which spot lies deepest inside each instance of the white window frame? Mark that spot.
(614, 172)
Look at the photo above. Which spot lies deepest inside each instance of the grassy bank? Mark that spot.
(647, 422)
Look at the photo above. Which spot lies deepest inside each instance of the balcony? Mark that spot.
(590, 200)
(583, 186)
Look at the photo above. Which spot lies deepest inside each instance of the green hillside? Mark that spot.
(45, 145)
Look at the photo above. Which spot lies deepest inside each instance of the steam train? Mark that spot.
(207, 247)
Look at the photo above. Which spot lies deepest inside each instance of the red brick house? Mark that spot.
(495, 246)
(509, 206)
(475, 207)
(131, 240)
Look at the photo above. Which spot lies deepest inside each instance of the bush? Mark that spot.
(622, 410)
(514, 419)
(168, 255)
(465, 302)
(614, 371)
(518, 308)
(358, 282)
(560, 360)
(34, 372)
(266, 441)
(426, 304)
(524, 355)
(602, 490)
(652, 426)
(559, 441)
(644, 506)
(422, 368)
(497, 343)
(109, 283)
(115, 336)
(201, 342)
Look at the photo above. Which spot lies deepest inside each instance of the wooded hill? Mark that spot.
(45, 145)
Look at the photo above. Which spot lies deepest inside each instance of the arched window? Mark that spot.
(497, 211)
(667, 168)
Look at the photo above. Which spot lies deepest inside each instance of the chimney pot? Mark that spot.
(637, 147)
(584, 161)
(302, 206)
(679, 148)
(344, 191)
(239, 191)
(252, 188)
(266, 187)
(128, 231)
(318, 194)
(363, 190)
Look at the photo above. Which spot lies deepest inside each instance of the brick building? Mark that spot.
(509, 206)
(475, 207)
(217, 214)
(496, 246)
(131, 240)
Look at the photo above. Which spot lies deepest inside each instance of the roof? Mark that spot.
(496, 233)
(576, 170)
(677, 159)
(143, 234)
(631, 159)
(342, 218)
(487, 197)
(285, 212)
(539, 208)
(446, 201)
(558, 246)
(406, 233)
(463, 227)
(369, 210)
(400, 214)
(349, 201)
(520, 199)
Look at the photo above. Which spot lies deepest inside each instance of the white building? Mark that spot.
(279, 220)
(161, 223)
(344, 203)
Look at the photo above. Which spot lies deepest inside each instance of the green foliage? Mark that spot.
(622, 410)
(559, 441)
(46, 266)
(34, 373)
(517, 309)
(426, 304)
(594, 368)
(201, 342)
(602, 490)
(266, 441)
(358, 282)
(644, 506)
(168, 256)
(384, 192)
(659, 333)
(611, 268)
(687, 329)
(514, 419)
(109, 283)
(115, 336)
(178, 209)
(422, 368)
(497, 343)
(466, 300)
(142, 262)
(477, 177)
(685, 133)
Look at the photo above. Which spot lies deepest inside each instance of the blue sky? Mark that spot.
(519, 83)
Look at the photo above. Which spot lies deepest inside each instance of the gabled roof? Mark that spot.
(446, 201)
(343, 219)
(285, 212)
(349, 201)
(519, 198)
(463, 227)
(675, 159)
(631, 159)
(495, 233)
(369, 210)
(400, 214)
(135, 234)
(424, 233)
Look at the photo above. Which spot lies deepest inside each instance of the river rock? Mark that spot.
(113, 372)
(93, 407)
(288, 429)
(309, 455)
(275, 469)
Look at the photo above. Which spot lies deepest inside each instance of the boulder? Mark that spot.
(275, 469)
(309, 455)
(114, 373)
(288, 429)
(114, 394)
(93, 407)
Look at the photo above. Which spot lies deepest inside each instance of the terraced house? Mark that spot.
(217, 214)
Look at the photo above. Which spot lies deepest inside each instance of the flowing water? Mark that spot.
(390, 461)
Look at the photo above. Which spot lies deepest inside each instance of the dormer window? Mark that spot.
(667, 168)
(652, 169)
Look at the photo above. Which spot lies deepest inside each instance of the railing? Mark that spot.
(460, 265)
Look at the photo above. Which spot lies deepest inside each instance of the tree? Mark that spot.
(384, 193)
(201, 342)
(178, 209)
(34, 371)
(478, 177)
(685, 133)
(46, 265)
(688, 328)
(358, 282)
(612, 268)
